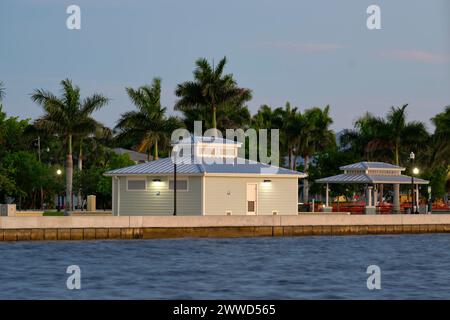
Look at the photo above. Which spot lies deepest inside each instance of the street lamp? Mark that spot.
(415, 173)
(58, 173)
(174, 155)
(412, 156)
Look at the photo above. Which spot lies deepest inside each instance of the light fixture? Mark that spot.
(267, 181)
(58, 172)
(156, 180)
(416, 171)
(412, 156)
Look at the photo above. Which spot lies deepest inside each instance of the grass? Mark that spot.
(53, 213)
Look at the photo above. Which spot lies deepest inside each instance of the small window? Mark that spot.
(251, 206)
(136, 185)
(182, 185)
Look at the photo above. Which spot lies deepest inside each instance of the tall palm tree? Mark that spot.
(210, 89)
(390, 138)
(69, 117)
(314, 135)
(148, 127)
(99, 135)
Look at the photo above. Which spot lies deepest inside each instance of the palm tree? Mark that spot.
(69, 117)
(210, 89)
(314, 135)
(391, 138)
(100, 134)
(148, 127)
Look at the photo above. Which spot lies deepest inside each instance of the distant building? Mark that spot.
(137, 157)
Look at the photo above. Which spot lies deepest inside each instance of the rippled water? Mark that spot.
(412, 266)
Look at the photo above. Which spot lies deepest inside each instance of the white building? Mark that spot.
(219, 183)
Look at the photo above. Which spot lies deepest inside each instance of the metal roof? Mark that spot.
(165, 166)
(135, 156)
(365, 165)
(371, 179)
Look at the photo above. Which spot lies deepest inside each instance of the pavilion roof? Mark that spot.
(364, 178)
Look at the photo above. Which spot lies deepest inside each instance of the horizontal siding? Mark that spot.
(229, 193)
(149, 203)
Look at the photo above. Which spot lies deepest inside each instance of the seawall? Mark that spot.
(154, 227)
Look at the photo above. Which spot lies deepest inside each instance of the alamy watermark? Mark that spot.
(73, 21)
(374, 20)
(212, 147)
(374, 280)
(74, 280)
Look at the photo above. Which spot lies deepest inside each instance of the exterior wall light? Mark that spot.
(267, 181)
(156, 180)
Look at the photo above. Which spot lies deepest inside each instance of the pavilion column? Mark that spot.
(375, 196)
(369, 197)
(396, 198)
(369, 209)
(327, 200)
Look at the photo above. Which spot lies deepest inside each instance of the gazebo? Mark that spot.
(374, 175)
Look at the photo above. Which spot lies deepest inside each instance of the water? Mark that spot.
(412, 267)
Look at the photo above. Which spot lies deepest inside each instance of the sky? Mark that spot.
(310, 53)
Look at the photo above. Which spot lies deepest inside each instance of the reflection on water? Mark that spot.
(412, 266)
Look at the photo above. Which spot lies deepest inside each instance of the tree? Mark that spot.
(392, 138)
(210, 89)
(69, 117)
(314, 135)
(440, 154)
(148, 127)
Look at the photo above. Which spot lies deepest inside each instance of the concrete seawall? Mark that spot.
(153, 227)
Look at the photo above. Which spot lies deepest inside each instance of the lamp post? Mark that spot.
(416, 172)
(58, 173)
(412, 156)
(174, 182)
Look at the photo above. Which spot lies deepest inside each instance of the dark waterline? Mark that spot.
(412, 267)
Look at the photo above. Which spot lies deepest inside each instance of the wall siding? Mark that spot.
(280, 195)
(149, 203)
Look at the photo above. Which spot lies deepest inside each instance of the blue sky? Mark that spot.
(310, 53)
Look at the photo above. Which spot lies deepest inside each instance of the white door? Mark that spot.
(252, 198)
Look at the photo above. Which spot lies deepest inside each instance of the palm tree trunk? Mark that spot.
(290, 158)
(396, 155)
(214, 123)
(69, 177)
(305, 182)
(155, 151)
(80, 169)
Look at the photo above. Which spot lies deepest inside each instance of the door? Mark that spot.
(252, 198)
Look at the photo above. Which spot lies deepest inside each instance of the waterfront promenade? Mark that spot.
(154, 227)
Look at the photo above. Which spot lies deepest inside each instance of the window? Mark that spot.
(136, 184)
(182, 185)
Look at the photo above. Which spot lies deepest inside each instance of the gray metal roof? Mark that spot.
(165, 166)
(135, 156)
(370, 165)
(370, 179)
